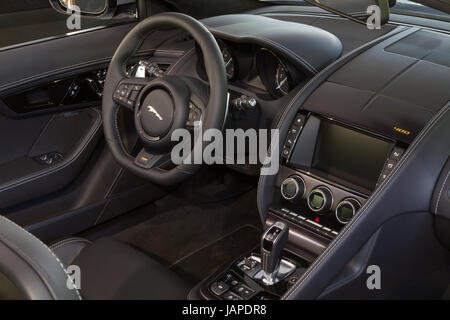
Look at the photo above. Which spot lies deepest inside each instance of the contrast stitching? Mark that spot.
(30, 260)
(440, 192)
(65, 242)
(39, 241)
(56, 244)
(354, 222)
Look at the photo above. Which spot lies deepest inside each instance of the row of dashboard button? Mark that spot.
(307, 223)
(394, 158)
(231, 289)
(293, 133)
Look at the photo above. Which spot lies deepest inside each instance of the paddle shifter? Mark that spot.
(272, 243)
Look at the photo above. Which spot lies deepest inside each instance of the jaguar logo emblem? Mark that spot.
(156, 113)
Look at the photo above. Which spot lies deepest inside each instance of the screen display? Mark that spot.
(350, 155)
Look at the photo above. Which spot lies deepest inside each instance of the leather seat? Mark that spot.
(111, 269)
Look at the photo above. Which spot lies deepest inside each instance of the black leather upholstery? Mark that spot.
(440, 206)
(111, 269)
(68, 249)
(31, 266)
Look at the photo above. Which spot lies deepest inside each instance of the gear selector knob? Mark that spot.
(272, 243)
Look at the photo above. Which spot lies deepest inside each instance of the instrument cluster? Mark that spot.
(257, 67)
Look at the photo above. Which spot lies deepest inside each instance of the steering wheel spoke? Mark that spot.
(128, 91)
(148, 160)
(195, 114)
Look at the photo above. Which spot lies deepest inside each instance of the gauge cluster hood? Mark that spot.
(308, 47)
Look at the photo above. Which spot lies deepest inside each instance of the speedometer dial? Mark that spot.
(230, 65)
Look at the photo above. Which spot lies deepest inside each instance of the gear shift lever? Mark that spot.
(272, 243)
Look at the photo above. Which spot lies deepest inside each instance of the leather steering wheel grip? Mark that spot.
(214, 116)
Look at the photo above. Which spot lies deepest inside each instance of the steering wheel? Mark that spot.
(162, 105)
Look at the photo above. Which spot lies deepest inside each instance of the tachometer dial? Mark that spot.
(282, 80)
(230, 65)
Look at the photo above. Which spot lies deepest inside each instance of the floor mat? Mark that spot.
(205, 261)
(180, 226)
(201, 224)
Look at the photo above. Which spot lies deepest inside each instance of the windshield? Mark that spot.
(22, 21)
(407, 6)
(417, 7)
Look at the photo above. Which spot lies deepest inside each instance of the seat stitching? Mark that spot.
(62, 243)
(39, 241)
(67, 239)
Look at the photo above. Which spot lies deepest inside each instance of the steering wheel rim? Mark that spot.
(215, 111)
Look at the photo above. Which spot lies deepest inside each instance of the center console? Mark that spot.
(328, 171)
(265, 273)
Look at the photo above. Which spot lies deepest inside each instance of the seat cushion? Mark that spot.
(111, 269)
(68, 249)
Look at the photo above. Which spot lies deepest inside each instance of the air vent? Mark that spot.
(163, 66)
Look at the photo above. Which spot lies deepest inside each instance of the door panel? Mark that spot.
(54, 159)
(32, 62)
(18, 136)
(86, 186)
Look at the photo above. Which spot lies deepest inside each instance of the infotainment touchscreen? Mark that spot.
(350, 155)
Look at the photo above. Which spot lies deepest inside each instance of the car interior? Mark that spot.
(360, 102)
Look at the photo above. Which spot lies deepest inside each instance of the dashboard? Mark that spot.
(270, 57)
(348, 136)
(347, 125)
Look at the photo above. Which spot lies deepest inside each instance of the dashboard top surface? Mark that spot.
(392, 89)
(310, 47)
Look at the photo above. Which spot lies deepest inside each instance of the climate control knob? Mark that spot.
(293, 188)
(346, 209)
(320, 200)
